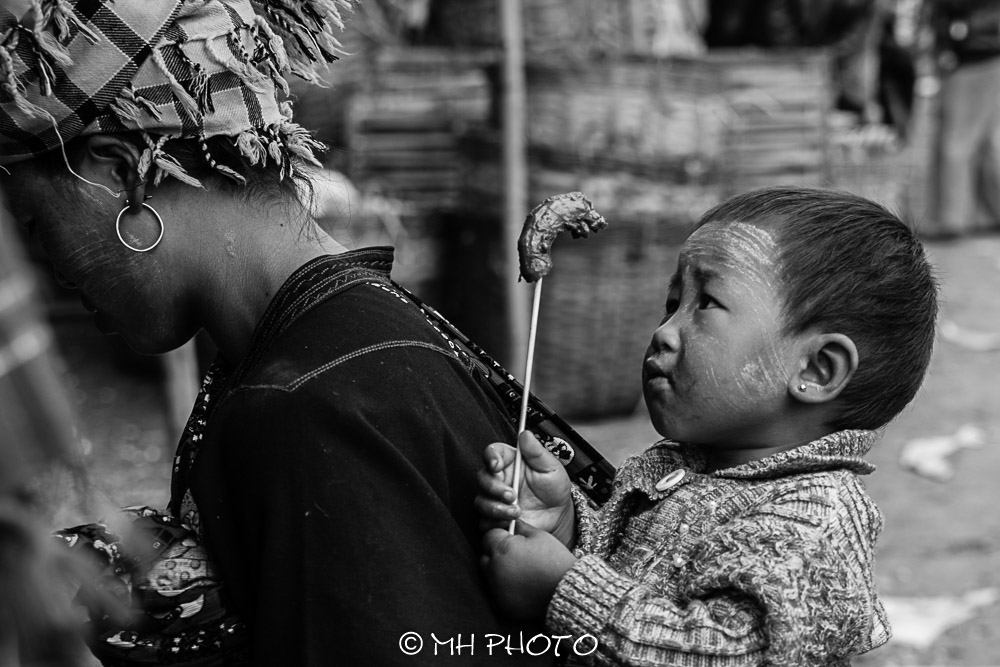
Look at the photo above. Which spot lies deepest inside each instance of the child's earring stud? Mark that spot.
(802, 387)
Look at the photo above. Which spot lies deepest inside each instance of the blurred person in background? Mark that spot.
(37, 627)
(966, 174)
(327, 472)
(852, 31)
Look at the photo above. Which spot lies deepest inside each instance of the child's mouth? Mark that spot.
(659, 387)
(657, 375)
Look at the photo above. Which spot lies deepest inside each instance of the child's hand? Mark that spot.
(524, 569)
(544, 501)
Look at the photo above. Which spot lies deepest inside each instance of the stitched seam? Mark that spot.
(295, 384)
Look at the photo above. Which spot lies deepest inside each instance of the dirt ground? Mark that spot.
(941, 538)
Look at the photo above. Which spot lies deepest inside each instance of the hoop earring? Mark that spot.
(118, 229)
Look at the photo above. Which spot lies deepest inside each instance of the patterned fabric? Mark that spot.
(192, 69)
(158, 570)
(103, 45)
(769, 562)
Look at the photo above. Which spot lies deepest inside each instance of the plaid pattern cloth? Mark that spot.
(106, 55)
(168, 69)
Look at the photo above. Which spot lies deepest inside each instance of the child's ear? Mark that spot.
(827, 365)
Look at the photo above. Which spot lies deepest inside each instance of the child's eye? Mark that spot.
(706, 301)
(671, 307)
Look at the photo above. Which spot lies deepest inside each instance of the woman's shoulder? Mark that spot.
(357, 327)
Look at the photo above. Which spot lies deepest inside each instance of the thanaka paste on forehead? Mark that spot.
(739, 246)
(746, 250)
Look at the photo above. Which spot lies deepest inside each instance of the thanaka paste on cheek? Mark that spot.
(98, 199)
(748, 256)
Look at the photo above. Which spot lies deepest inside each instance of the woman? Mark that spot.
(328, 465)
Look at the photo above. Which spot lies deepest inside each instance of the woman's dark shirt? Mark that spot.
(335, 478)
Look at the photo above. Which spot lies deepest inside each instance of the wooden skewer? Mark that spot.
(522, 423)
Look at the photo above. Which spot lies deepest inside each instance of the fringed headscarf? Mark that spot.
(168, 69)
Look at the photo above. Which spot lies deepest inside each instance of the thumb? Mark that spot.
(525, 529)
(535, 455)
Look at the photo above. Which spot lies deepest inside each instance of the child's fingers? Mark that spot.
(493, 487)
(489, 507)
(536, 456)
(498, 456)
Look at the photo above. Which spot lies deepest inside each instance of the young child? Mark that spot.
(798, 323)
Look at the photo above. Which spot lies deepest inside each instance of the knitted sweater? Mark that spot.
(769, 562)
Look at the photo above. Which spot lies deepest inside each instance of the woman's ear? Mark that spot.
(827, 365)
(113, 162)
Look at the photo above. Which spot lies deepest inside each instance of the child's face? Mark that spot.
(716, 371)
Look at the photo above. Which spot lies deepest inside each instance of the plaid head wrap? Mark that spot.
(169, 69)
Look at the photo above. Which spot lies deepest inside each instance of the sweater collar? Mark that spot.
(842, 450)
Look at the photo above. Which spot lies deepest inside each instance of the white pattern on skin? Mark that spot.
(716, 371)
(739, 246)
(97, 196)
(750, 255)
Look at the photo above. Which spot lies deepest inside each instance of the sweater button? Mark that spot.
(671, 480)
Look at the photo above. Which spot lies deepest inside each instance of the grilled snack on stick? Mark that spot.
(570, 212)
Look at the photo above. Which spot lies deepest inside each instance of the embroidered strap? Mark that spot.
(587, 467)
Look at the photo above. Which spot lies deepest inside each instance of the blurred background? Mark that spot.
(452, 118)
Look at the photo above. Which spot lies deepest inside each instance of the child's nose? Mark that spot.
(666, 338)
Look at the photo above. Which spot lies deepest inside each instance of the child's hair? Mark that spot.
(848, 265)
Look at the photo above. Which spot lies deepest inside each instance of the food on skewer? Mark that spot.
(570, 212)
(566, 212)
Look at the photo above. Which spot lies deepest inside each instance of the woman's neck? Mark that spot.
(246, 254)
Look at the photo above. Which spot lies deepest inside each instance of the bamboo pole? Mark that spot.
(515, 177)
